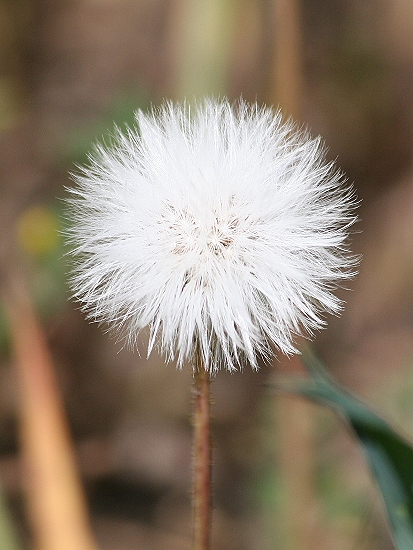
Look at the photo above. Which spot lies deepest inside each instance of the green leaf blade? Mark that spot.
(389, 455)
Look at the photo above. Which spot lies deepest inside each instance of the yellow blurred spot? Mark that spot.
(37, 230)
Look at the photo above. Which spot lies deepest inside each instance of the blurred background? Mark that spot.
(286, 475)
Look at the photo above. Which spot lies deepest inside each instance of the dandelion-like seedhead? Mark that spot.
(221, 229)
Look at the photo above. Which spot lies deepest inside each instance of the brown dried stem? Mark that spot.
(201, 460)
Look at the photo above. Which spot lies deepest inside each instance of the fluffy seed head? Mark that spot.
(223, 230)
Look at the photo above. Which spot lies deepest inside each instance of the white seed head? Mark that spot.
(223, 230)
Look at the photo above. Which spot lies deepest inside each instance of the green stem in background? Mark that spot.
(201, 460)
(201, 43)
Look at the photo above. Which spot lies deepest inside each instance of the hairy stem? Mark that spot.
(201, 460)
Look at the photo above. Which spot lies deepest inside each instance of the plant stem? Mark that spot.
(201, 460)
(56, 503)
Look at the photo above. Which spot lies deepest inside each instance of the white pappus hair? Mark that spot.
(220, 228)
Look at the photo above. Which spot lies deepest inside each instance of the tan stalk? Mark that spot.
(55, 500)
(286, 74)
(295, 416)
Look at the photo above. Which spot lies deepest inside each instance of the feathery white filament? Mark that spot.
(222, 230)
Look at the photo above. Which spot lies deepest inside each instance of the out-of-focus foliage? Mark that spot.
(120, 114)
(38, 231)
(38, 237)
(8, 536)
(389, 455)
